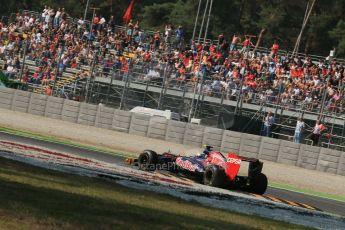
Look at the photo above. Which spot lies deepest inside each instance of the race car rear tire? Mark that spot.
(258, 184)
(214, 176)
(147, 160)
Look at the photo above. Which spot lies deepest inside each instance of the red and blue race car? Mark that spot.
(211, 168)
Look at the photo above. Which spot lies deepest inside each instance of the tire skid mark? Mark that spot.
(288, 202)
(48, 156)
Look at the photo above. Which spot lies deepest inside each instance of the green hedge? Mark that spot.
(10, 83)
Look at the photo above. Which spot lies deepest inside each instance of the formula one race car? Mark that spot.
(211, 168)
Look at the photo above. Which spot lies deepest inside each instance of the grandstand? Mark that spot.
(202, 79)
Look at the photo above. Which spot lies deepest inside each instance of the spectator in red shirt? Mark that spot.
(147, 56)
(246, 44)
(274, 48)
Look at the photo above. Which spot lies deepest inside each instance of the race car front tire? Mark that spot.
(214, 176)
(147, 160)
(258, 184)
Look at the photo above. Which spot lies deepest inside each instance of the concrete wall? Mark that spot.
(121, 120)
(288, 152)
(193, 135)
(214, 137)
(104, 117)
(175, 131)
(157, 127)
(54, 107)
(250, 145)
(269, 149)
(139, 124)
(37, 104)
(6, 97)
(341, 166)
(329, 160)
(70, 111)
(87, 114)
(21, 101)
(285, 152)
(308, 156)
(231, 141)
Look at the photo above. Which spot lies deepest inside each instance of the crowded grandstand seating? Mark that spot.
(221, 68)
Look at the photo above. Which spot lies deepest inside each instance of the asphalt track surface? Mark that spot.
(279, 195)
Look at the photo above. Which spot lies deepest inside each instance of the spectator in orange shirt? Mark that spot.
(49, 91)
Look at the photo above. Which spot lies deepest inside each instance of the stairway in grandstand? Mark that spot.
(65, 80)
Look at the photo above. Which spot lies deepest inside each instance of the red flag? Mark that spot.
(128, 14)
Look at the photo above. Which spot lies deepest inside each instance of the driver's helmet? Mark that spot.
(206, 151)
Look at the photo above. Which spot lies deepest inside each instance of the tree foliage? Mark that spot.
(281, 19)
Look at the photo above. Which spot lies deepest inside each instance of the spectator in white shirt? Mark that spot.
(56, 21)
(44, 13)
(47, 16)
(268, 122)
(31, 20)
(2, 50)
(101, 23)
(216, 87)
(298, 131)
(10, 71)
(80, 23)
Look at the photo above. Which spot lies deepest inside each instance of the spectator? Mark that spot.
(216, 87)
(56, 21)
(268, 123)
(102, 23)
(167, 34)
(298, 131)
(111, 24)
(130, 28)
(80, 24)
(10, 71)
(95, 23)
(274, 48)
(316, 134)
(234, 41)
(247, 44)
(179, 37)
(49, 90)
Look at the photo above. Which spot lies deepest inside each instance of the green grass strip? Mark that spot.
(128, 154)
(308, 192)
